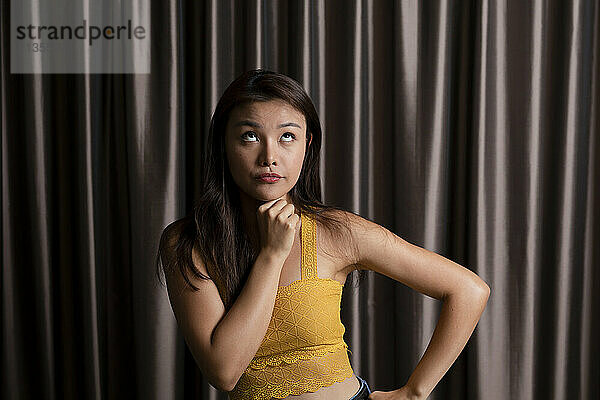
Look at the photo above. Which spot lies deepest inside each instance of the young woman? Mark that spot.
(255, 275)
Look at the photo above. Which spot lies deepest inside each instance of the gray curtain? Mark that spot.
(470, 128)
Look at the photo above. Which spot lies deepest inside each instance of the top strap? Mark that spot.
(308, 235)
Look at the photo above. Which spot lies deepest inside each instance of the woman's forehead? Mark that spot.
(272, 112)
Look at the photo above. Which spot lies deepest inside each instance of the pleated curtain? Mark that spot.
(470, 128)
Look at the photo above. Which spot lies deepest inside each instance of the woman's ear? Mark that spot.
(309, 140)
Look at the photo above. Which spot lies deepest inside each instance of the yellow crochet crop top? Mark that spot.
(303, 349)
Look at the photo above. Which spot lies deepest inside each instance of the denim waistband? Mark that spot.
(363, 392)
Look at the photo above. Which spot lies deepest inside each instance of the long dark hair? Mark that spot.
(216, 224)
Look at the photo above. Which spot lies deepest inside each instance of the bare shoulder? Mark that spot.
(169, 241)
(340, 247)
(364, 236)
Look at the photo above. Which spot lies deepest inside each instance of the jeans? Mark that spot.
(363, 392)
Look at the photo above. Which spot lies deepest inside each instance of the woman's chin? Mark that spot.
(265, 196)
(265, 193)
(270, 198)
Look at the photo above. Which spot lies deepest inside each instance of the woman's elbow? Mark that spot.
(228, 381)
(481, 291)
(488, 291)
(224, 384)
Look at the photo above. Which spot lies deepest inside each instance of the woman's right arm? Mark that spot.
(223, 344)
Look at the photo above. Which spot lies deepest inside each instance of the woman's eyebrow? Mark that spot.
(256, 125)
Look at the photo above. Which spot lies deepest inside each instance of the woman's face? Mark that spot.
(263, 137)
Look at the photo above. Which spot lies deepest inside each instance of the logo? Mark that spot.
(77, 36)
(82, 31)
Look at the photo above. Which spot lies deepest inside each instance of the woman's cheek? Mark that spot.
(298, 168)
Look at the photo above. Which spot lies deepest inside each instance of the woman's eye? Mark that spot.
(291, 134)
(245, 134)
(250, 135)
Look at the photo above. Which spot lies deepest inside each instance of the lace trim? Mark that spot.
(294, 356)
(281, 393)
(311, 387)
(294, 379)
(309, 252)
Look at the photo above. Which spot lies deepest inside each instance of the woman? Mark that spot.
(255, 275)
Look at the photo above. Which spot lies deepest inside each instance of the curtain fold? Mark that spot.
(468, 128)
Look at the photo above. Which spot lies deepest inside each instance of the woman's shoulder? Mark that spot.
(179, 223)
(356, 230)
(349, 219)
(337, 235)
(356, 222)
(172, 235)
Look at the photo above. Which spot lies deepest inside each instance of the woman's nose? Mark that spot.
(268, 155)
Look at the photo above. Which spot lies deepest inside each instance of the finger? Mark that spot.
(278, 207)
(266, 205)
(287, 211)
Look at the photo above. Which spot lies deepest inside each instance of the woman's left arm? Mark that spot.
(463, 293)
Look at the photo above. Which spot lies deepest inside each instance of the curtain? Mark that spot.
(470, 128)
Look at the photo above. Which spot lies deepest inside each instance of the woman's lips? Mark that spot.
(268, 179)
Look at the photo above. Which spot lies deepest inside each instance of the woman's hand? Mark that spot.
(404, 393)
(277, 225)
